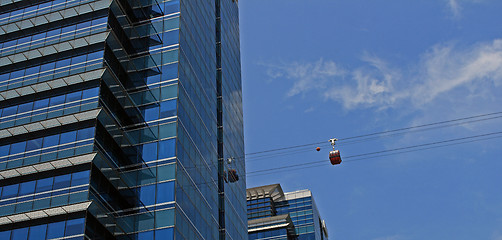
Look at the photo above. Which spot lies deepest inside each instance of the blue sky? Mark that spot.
(318, 69)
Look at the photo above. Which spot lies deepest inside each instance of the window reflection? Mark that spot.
(50, 107)
(44, 149)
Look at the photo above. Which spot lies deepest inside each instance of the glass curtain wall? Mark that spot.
(115, 118)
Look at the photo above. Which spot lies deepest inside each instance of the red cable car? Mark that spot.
(334, 157)
(232, 175)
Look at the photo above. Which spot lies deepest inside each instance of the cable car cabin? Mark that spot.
(232, 175)
(334, 157)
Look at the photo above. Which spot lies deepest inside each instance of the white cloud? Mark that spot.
(445, 72)
(306, 76)
(454, 7)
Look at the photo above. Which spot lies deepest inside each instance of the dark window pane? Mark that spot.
(34, 144)
(71, 97)
(93, 92)
(85, 133)
(62, 181)
(95, 55)
(80, 178)
(74, 227)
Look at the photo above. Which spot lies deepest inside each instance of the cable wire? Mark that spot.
(390, 151)
(373, 136)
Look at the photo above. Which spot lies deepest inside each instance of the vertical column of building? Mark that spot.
(219, 115)
(197, 167)
(230, 123)
(153, 71)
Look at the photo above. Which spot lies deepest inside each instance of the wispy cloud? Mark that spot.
(454, 7)
(306, 76)
(444, 70)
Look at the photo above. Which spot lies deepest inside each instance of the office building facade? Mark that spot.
(275, 215)
(117, 118)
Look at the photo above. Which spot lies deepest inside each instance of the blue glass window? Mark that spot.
(39, 104)
(27, 188)
(167, 148)
(93, 92)
(5, 235)
(55, 230)
(62, 181)
(47, 68)
(38, 232)
(80, 178)
(9, 111)
(26, 107)
(170, 71)
(164, 234)
(32, 70)
(17, 148)
(74, 227)
(57, 100)
(151, 113)
(51, 141)
(34, 144)
(147, 195)
(150, 151)
(74, 96)
(78, 59)
(10, 191)
(68, 137)
(85, 133)
(165, 192)
(168, 108)
(44, 185)
(4, 150)
(145, 235)
(20, 234)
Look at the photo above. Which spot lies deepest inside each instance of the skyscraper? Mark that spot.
(117, 120)
(275, 215)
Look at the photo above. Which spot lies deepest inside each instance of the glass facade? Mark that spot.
(273, 214)
(117, 120)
